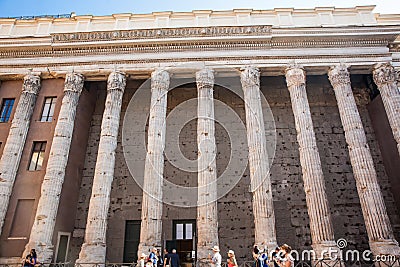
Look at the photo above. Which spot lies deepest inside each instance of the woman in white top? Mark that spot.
(285, 260)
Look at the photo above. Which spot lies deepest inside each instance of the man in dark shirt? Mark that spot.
(275, 255)
(166, 258)
(174, 259)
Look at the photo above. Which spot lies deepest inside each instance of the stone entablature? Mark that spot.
(278, 17)
(269, 39)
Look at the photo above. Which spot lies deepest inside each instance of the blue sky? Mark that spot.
(11, 8)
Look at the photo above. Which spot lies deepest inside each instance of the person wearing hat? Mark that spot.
(216, 258)
(231, 259)
(142, 260)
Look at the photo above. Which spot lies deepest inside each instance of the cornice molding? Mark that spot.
(187, 46)
(328, 59)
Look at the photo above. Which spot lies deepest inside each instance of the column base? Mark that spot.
(203, 263)
(146, 249)
(44, 251)
(92, 253)
(270, 246)
(205, 253)
(326, 250)
(385, 247)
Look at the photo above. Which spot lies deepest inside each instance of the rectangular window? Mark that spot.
(48, 109)
(179, 231)
(183, 230)
(6, 108)
(21, 224)
(37, 157)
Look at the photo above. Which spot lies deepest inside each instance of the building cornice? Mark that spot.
(278, 18)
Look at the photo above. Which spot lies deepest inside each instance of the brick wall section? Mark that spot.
(235, 208)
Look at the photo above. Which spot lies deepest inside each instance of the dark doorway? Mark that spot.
(131, 243)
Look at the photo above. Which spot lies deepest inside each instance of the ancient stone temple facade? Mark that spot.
(190, 130)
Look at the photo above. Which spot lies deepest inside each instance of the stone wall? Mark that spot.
(236, 227)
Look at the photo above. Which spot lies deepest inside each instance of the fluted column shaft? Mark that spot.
(94, 247)
(207, 217)
(377, 222)
(314, 186)
(46, 213)
(263, 207)
(385, 79)
(11, 157)
(151, 226)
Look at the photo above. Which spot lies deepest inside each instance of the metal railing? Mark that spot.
(315, 263)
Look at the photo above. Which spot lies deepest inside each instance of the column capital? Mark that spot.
(116, 81)
(339, 75)
(31, 84)
(384, 73)
(74, 82)
(160, 79)
(250, 75)
(205, 78)
(295, 75)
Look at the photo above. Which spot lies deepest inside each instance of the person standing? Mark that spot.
(256, 257)
(174, 259)
(275, 256)
(232, 259)
(286, 259)
(31, 259)
(153, 257)
(166, 258)
(142, 260)
(216, 258)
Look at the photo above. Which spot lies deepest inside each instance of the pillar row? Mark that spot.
(46, 213)
(380, 233)
(207, 213)
(314, 185)
(151, 226)
(263, 207)
(93, 249)
(11, 157)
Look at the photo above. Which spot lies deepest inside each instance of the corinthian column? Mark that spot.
(94, 247)
(207, 218)
(45, 219)
(15, 143)
(151, 226)
(385, 78)
(314, 186)
(377, 222)
(263, 206)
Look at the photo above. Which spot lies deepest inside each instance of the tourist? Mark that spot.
(232, 259)
(174, 259)
(256, 257)
(216, 258)
(166, 258)
(264, 257)
(153, 257)
(160, 262)
(31, 259)
(142, 260)
(286, 260)
(275, 255)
